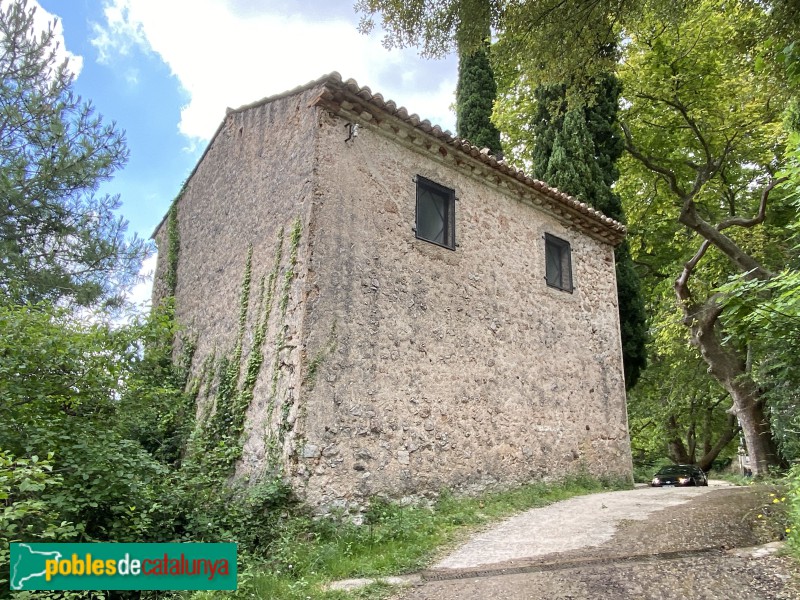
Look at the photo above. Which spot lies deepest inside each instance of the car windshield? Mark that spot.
(675, 471)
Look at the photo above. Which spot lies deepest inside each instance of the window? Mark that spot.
(436, 206)
(558, 264)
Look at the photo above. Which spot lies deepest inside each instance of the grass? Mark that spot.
(393, 540)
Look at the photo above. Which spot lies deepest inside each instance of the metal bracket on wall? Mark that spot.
(352, 131)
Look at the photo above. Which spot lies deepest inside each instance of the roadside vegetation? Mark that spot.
(392, 540)
(690, 131)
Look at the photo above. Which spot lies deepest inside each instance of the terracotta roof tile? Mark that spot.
(334, 83)
(335, 80)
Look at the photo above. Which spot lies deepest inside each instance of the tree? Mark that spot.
(477, 89)
(767, 313)
(555, 39)
(574, 146)
(58, 239)
(433, 27)
(60, 382)
(552, 40)
(676, 410)
(475, 96)
(707, 133)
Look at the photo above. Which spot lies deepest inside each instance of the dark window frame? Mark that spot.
(448, 196)
(559, 249)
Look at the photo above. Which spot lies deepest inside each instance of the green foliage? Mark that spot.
(25, 515)
(541, 33)
(433, 27)
(767, 316)
(632, 316)
(793, 498)
(223, 427)
(546, 41)
(157, 412)
(575, 146)
(173, 249)
(705, 129)
(676, 410)
(306, 553)
(276, 438)
(109, 409)
(475, 96)
(58, 240)
(46, 355)
(62, 382)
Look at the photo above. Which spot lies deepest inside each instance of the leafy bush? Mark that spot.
(793, 497)
(110, 410)
(25, 516)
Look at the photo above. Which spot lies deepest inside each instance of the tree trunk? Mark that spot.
(676, 450)
(730, 370)
(678, 453)
(713, 451)
(708, 415)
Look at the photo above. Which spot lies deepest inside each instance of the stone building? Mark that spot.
(430, 317)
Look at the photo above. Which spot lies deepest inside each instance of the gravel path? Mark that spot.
(671, 544)
(580, 522)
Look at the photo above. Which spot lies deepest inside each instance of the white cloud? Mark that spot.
(132, 77)
(119, 34)
(41, 21)
(141, 292)
(226, 60)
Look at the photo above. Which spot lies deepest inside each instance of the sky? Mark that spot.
(166, 70)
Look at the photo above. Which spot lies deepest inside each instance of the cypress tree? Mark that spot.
(576, 150)
(475, 96)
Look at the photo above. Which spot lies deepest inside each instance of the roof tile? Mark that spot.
(615, 230)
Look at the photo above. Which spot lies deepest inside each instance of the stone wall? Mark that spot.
(249, 189)
(436, 368)
(393, 366)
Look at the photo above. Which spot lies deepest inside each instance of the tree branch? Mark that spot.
(649, 162)
(680, 107)
(762, 209)
(745, 262)
(682, 283)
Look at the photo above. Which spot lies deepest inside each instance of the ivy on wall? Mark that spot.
(173, 249)
(219, 426)
(218, 438)
(277, 436)
(228, 381)
(310, 376)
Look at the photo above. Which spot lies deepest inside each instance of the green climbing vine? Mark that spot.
(275, 440)
(173, 249)
(217, 442)
(310, 376)
(219, 424)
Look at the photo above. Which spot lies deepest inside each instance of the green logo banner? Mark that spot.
(123, 567)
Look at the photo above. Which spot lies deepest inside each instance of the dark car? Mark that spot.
(679, 475)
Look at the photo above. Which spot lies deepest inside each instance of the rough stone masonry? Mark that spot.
(395, 366)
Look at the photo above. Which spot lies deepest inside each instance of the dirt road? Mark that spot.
(644, 543)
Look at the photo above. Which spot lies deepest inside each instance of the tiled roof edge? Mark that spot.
(334, 80)
(351, 86)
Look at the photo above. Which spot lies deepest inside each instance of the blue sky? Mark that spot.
(165, 70)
